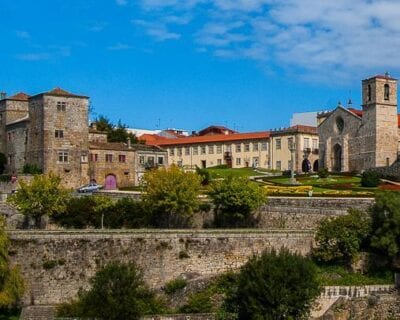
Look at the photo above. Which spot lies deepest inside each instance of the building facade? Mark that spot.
(356, 140)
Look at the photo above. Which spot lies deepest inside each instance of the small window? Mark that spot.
(62, 156)
(84, 158)
(61, 106)
(306, 143)
(150, 161)
(203, 149)
(278, 165)
(195, 150)
(238, 148)
(315, 143)
(172, 151)
(160, 160)
(255, 146)
(264, 146)
(141, 160)
(339, 124)
(369, 93)
(122, 158)
(238, 161)
(211, 149)
(219, 149)
(9, 136)
(278, 144)
(187, 151)
(59, 134)
(94, 157)
(109, 157)
(179, 152)
(386, 91)
(247, 147)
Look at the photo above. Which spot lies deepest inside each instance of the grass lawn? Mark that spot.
(240, 172)
(340, 276)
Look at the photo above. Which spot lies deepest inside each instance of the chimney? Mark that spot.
(3, 95)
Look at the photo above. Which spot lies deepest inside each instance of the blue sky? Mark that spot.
(247, 64)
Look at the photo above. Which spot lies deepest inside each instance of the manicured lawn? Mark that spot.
(240, 172)
(339, 276)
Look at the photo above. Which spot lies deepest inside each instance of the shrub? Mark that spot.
(370, 179)
(175, 285)
(31, 169)
(276, 285)
(204, 175)
(323, 173)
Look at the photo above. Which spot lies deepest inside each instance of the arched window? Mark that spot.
(386, 92)
(369, 93)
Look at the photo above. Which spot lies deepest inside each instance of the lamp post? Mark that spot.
(292, 148)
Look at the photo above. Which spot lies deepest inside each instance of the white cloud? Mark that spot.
(329, 37)
(45, 53)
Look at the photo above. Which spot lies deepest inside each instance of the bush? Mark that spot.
(235, 198)
(370, 179)
(323, 173)
(275, 286)
(175, 285)
(204, 175)
(31, 169)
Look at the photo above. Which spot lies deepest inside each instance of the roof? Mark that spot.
(360, 114)
(20, 96)
(61, 93)
(218, 129)
(381, 76)
(211, 138)
(151, 137)
(120, 146)
(295, 129)
(24, 119)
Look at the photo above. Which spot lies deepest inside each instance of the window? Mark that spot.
(386, 92)
(9, 136)
(172, 151)
(59, 133)
(141, 160)
(238, 148)
(290, 143)
(306, 143)
(94, 157)
(369, 93)
(160, 160)
(196, 150)
(122, 158)
(61, 105)
(264, 146)
(278, 144)
(150, 161)
(255, 146)
(179, 152)
(238, 161)
(278, 165)
(62, 156)
(219, 162)
(203, 150)
(315, 143)
(109, 157)
(211, 149)
(219, 149)
(84, 158)
(187, 151)
(339, 124)
(247, 147)
(228, 148)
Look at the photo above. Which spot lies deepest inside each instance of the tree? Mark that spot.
(370, 179)
(11, 283)
(171, 196)
(117, 292)
(276, 285)
(339, 240)
(235, 199)
(115, 133)
(43, 196)
(385, 237)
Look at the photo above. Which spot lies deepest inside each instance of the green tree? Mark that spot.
(235, 199)
(339, 240)
(171, 196)
(43, 196)
(117, 292)
(276, 285)
(115, 133)
(11, 282)
(386, 227)
(370, 179)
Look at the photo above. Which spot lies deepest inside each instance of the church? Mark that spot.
(356, 140)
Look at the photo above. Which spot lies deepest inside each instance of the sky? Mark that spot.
(156, 64)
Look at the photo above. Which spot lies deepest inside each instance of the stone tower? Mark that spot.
(58, 135)
(379, 129)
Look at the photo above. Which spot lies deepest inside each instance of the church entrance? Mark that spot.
(306, 166)
(337, 158)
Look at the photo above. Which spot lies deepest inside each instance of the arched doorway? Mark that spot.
(306, 165)
(337, 158)
(110, 182)
(315, 166)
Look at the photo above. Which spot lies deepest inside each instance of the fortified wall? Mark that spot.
(56, 264)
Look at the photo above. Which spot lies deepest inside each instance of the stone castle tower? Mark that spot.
(58, 135)
(379, 129)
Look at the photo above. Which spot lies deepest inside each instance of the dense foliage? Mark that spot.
(117, 292)
(115, 133)
(11, 282)
(235, 199)
(171, 196)
(275, 285)
(323, 173)
(385, 238)
(340, 239)
(204, 175)
(31, 169)
(43, 196)
(370, 179)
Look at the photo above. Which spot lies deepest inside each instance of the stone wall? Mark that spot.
(56, 264)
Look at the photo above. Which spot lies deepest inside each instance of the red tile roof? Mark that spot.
(212, 138)
(147, 137)
(382, 76)
(20, 96)
(216, 130)
(61, 93)
(360, 114)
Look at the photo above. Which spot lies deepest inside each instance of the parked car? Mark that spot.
(91, 187)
